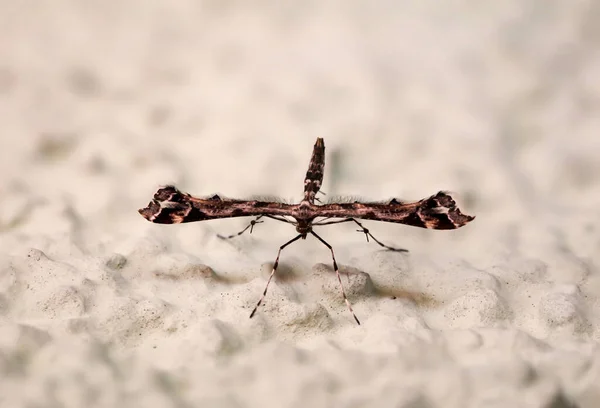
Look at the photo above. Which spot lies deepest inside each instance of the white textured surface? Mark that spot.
(100, 102)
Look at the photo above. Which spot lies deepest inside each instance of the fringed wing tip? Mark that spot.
(149, 212)
(440, 212)
(162, 209)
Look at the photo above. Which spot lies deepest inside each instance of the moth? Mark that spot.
(171, 206)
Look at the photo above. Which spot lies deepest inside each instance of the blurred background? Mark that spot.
(101, 102)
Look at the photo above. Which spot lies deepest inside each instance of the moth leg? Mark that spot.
(278, 218)
(337, 273)
(273, 273)
(363, 230)
(316, 198)
(325, 222)
(249, 226)
(368, 234)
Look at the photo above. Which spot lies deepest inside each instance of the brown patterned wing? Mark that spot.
(436, 212)
(171, 206)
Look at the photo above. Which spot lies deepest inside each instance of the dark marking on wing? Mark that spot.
(440, 212)
(415, 220)
(171, 206)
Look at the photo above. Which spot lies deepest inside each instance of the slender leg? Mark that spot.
(273, 273)
(316, 198)
(366, 232)
(337, 273)
(275, 217)
(251, 226)
(325, 222)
